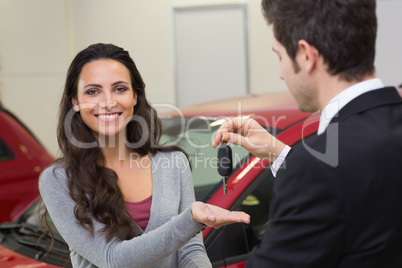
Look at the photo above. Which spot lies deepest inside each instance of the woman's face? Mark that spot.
(105, 98)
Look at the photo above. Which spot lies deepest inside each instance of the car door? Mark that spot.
(229, 246)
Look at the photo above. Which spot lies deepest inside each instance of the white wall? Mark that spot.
(40, 37)
(389, 41)
(145, 29)
(33, 62)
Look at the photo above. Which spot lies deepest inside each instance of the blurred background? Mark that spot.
(218, 47)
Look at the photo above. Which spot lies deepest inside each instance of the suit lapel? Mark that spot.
(367, 101)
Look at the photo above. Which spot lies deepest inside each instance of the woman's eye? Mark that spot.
(91, 92)
(121, 89)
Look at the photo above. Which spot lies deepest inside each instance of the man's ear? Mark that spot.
(75, 104)
(309, 56)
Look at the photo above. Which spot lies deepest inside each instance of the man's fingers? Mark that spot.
(238, 125)
(217, 140)
(223, 129)
(237, 139)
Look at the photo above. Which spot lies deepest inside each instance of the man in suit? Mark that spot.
(338, 200)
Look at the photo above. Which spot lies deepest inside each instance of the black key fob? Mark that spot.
(225, 165)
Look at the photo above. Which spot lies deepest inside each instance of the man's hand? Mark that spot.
(216, 217)
(247, 133)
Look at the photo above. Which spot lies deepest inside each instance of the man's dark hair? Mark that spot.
(343, 32)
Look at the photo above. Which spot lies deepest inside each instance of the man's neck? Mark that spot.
(332, 86)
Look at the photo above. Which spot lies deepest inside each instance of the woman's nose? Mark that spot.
(108, 103)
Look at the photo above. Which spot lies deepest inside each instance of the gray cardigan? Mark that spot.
(170, 239)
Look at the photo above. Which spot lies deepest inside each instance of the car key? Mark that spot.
(224, 164)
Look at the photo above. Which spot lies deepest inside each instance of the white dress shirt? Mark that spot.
(331, 109)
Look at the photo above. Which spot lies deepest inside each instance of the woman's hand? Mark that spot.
(247, 133)
(216, 217)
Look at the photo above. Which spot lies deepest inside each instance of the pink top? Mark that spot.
(140, 211)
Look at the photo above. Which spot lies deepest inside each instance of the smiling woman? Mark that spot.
(106, 95)
(111, 212)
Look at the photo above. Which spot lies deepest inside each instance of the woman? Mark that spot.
(117, 198)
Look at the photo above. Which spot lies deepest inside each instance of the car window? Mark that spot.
(5, 152)
(194, 136)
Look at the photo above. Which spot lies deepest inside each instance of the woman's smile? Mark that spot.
(109, 117)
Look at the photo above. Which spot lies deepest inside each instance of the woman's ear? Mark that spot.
(135, 98)
(75, 104)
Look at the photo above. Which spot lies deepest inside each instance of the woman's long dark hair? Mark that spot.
(92, 185)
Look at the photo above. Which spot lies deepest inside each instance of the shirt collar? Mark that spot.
(343, 98)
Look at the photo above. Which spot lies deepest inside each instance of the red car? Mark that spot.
(248, 189)
(22, 159)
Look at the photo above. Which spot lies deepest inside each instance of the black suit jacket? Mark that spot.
(338, 200)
